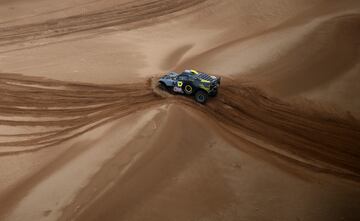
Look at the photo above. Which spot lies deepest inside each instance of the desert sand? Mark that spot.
(85, 134)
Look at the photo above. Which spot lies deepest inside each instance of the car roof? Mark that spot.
(198, 74)
(191, 72)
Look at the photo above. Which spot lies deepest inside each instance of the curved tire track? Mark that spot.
(70, 108)
(319, 137)
(327, 140)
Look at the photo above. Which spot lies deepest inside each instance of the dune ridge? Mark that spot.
(306, 55)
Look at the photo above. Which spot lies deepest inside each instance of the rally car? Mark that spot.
(191, 82)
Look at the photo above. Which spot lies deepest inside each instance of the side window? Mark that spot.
(183, 77)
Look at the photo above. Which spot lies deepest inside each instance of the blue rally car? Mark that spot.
(191, 82)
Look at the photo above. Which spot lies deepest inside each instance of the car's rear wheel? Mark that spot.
(201, 97)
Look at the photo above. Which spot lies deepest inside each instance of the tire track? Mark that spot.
(65, 110)
(70, 108)
(326, 141)
(135, 11)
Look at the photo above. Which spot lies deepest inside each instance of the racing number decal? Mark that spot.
(180, 83)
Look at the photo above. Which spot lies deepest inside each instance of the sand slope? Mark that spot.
(136, 159)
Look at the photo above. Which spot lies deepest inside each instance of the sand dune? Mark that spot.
(86, 134)
(297, 60)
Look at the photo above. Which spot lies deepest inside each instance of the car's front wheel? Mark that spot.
(201, 97)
